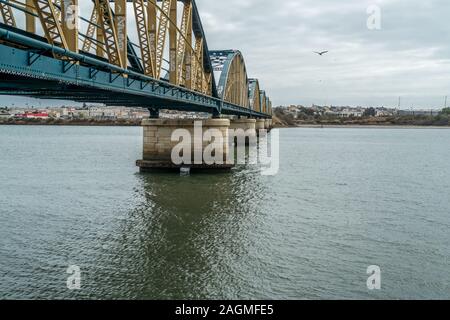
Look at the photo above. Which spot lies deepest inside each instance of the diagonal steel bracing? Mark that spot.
(173, 67)
(7, 15)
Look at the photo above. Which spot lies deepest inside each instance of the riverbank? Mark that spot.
(281, 119)
(72, 122)
(277, 123)
(362, 127)
(355, 126)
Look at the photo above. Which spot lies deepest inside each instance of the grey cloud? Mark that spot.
(409, 56)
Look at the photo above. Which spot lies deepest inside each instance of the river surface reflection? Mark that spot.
(344, 199)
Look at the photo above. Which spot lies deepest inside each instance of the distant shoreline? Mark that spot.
(355, 126)
(78, 122)
(310, 117)
(137, 123)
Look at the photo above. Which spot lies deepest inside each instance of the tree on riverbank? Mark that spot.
(370, 112)
(445, 111)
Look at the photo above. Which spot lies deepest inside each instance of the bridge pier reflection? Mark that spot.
(185, 238)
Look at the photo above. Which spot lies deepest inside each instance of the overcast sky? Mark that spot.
(409, 56)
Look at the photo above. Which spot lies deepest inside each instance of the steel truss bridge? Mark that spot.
(133, 53)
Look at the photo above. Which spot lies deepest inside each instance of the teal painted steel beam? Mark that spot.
(94, 75)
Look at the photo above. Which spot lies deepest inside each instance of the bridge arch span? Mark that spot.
(263, 98)
(254, 94)
(231, 75)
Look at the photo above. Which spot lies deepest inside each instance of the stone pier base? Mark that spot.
(242, 129)
(158, 144)
(260, 125)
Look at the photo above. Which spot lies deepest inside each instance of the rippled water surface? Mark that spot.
(344, 199)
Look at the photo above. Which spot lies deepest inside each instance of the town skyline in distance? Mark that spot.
(402, 102)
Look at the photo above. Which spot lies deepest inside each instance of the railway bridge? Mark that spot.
(133, 53)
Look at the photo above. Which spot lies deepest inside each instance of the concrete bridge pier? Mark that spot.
(242, 129)
(192, 147)
(260, 125)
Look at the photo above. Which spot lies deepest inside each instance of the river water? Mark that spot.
(344, 199)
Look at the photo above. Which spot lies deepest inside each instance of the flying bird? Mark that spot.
(321, 53)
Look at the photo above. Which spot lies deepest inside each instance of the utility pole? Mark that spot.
(445, 104)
